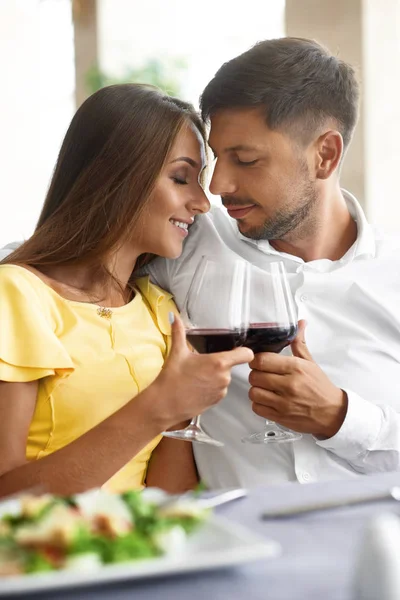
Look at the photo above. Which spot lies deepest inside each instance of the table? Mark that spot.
(318, 555)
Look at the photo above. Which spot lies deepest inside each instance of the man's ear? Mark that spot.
(329, 153)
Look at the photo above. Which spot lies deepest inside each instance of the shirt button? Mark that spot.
(304, 297)
(305, 477)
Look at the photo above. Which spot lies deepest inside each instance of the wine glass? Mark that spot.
(272, 326)
(215, 315)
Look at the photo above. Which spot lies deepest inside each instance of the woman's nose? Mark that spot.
(201, 203)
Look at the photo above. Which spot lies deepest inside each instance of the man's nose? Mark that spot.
(222, 181)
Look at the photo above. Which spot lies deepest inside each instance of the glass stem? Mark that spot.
(272, 426)
(195, 422)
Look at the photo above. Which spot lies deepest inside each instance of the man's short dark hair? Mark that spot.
(299, 82)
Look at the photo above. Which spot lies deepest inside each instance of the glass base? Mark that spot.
(272, 436)
(192, 433)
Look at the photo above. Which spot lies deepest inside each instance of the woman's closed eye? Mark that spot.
(179, 180)
(180, 176)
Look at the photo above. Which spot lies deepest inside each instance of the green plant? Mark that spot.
(165, 74)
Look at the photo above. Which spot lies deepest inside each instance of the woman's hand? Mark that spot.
(190, 383)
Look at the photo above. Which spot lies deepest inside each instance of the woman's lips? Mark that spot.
(238, 212)
(183, 232)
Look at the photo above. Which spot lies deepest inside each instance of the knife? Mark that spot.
(210, 502)
(300, 509)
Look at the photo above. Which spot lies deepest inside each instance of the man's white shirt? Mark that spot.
(352, 309)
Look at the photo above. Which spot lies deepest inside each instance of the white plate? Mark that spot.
(219, 543)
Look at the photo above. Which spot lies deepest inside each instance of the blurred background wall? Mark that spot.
(54, 53)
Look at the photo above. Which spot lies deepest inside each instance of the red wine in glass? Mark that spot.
(206, 341)
(269, 337)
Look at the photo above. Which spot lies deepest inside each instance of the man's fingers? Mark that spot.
(265, 397)
(272, 363)
(267, 412)
(266, 401)
(299, 346)
(268, 381)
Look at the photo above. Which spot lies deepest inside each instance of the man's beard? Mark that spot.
(288, 219)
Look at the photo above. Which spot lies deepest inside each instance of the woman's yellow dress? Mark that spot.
(89, 361)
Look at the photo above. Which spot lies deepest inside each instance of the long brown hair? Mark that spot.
(107, 167)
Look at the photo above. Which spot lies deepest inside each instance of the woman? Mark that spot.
(83, 384)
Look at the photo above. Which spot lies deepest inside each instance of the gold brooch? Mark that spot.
(106, 313)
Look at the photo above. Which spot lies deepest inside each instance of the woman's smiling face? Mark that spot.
(177, 197)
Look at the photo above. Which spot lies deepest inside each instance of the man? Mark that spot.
(282, 116)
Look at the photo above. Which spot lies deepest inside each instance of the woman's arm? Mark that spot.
(187, 385)
(87, 462)
(172, 466)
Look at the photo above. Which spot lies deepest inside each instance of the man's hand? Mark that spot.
(295, 392)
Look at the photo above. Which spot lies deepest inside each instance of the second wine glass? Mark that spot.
(273, 325)
(215, 315)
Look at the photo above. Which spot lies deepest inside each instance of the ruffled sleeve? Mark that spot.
(160, 303)
(29, 348)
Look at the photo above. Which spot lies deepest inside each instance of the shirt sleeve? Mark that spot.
(369, 438)
(29, 347)
(161, 273)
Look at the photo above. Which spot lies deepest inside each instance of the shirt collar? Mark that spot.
(364, 246)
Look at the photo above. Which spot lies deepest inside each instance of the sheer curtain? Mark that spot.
(37, 65)
(36, 105)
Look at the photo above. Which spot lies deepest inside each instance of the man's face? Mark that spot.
(262, 176)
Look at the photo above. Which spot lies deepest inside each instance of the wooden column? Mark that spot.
(338, 26)
(84, 14)
(366, 34)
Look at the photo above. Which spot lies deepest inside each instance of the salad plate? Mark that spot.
(213, 543)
